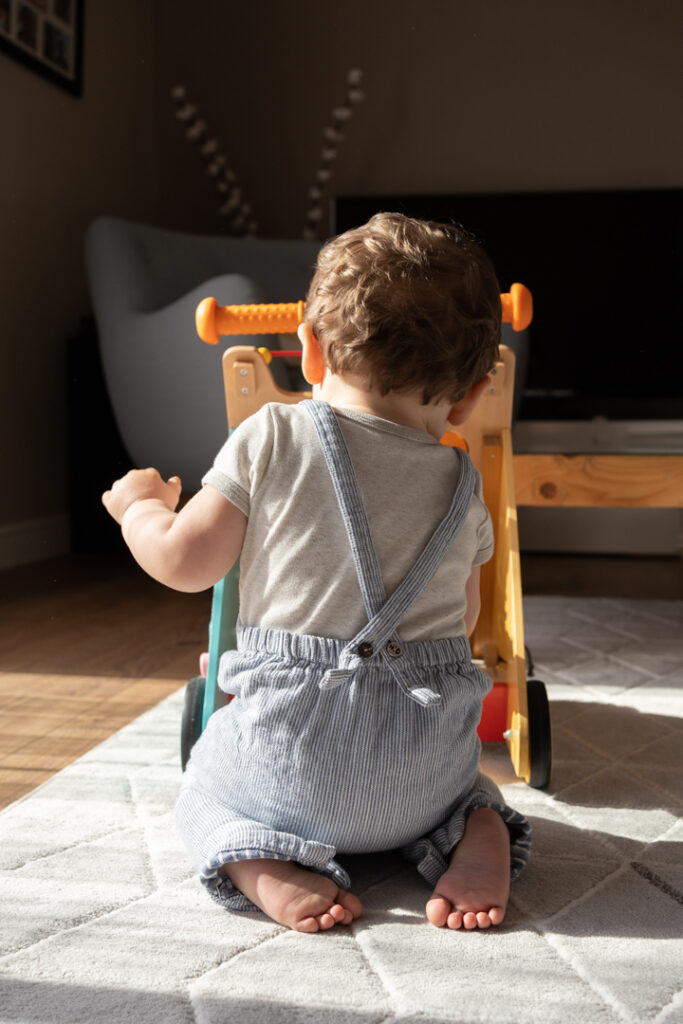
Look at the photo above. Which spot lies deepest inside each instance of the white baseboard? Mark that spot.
(33, 540)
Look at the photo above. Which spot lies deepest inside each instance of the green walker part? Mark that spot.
(222, 637)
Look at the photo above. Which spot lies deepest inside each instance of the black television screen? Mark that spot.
(606, 273)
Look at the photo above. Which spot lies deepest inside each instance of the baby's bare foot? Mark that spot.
(473, 892)
(302, 900)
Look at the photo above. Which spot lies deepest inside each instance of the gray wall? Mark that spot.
(476, 95)
(63, 161)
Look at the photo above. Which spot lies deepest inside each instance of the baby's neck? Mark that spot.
(350, 391)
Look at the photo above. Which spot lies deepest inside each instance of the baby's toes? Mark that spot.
(340, 914)
(335, 915)
(455, 920)
(307, 924)
(351, 905)
(326, 921)
(438, 911)
(497, 915)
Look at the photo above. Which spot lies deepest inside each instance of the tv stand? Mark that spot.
(599, 435)
(600, 463)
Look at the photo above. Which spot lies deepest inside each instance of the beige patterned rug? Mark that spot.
(101, 919)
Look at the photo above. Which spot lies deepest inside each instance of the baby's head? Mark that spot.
(407, 304)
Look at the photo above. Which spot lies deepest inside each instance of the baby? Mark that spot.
(360, 537)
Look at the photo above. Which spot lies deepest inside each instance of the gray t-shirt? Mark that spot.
(296, 567)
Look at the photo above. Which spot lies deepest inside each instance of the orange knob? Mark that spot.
(518, 307)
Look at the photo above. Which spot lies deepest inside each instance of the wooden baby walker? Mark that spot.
(516, 709)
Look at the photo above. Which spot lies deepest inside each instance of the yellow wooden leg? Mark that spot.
(501, 628)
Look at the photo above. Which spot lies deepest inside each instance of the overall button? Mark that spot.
(366, 650)
(394, 649)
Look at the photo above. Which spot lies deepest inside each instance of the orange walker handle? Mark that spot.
(284, 317)
(273, 318)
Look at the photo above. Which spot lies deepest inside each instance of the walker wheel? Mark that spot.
(540, 737)
(193, 709)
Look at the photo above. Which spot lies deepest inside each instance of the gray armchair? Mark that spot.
(165, 384)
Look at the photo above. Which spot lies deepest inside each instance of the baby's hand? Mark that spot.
(137, 485)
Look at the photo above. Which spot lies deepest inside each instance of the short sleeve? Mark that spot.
(241, 464)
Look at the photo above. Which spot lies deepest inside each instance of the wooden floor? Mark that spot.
(86, 645)
(89, 643)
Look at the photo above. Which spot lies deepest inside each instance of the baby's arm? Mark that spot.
(473, 595)
(188, 550)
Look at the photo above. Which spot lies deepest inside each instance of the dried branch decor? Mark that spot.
(332, 139)
(234, 208)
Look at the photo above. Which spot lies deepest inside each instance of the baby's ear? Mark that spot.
(463, 409)
(312, 364)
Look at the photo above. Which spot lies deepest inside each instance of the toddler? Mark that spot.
(360, 537)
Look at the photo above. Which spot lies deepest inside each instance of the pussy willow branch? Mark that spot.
(234, 208)
(333, 136)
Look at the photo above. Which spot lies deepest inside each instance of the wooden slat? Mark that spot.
(484, 636)
(500, 626)
(607, 481)
(249, 384)
(494, 411)
(509, 616)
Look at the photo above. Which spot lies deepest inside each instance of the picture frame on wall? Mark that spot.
(46, 36)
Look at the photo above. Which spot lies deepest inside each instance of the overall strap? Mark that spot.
(379, 636)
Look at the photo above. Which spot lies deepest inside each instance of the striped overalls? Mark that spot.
(334, 746)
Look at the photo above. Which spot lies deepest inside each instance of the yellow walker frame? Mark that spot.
(516, 710)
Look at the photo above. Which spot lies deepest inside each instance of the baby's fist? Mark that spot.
(137, 485)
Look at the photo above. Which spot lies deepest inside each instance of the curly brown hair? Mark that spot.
(409, 304)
